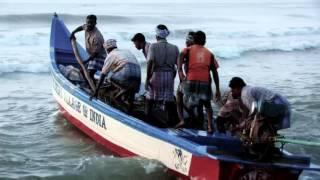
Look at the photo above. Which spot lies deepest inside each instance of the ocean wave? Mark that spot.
(222, 52)
(231, 52)
(40, 67)
(46, 18)
(262, 33)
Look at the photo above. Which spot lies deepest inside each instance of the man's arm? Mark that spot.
(150, 59)
(215, 77)
(95, 93)
(106, 68)
(91, 57)
(78, 29)
(149, 73)
(182, 76)
(244, 109)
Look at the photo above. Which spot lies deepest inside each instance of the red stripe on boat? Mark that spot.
(204, 168)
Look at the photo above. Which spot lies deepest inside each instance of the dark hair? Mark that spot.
(138, 37)
(162, 27)
(92, 17)
(236, 82)
(191, 33)
(200, 38)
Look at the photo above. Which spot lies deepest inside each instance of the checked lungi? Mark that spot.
(128, 77)
(96, 64)
(196, 91)
(161, 86)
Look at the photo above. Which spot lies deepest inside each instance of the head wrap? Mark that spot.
(110, 43)
(162, 33)
(189, 38)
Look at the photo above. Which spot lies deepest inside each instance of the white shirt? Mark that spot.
(116, 59)
(250, 94)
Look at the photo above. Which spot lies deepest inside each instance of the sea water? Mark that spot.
(274, 44)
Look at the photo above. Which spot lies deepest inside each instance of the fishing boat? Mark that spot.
(188, 153)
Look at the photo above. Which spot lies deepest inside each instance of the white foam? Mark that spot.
(235, 51)
(29, 68)
(286, 28)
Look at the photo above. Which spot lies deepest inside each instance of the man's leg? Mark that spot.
(199, 119)
(207, 105)
(220, 124)
(130, 102)
(171, 109)
(180, 109)
(148, 109)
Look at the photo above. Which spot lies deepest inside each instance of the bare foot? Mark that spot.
(179, 125)
(210, 130)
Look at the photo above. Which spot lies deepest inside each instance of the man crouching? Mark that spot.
(263, 113)
(123, 71)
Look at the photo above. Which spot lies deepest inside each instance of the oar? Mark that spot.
(86, 74)
(295, 141)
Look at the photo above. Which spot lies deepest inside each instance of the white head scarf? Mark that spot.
(110, 43)
(162, 33)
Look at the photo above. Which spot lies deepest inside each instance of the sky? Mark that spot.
(162, 1)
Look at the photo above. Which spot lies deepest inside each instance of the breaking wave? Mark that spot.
(263, 33)
(222, 52)
(24, 68)
(226, 44)
(230, 52)
(46, 18)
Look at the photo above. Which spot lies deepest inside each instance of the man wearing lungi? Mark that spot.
(197, 82)
(161, 71)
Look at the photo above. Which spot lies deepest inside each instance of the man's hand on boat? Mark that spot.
(93, 95)
(72, 35)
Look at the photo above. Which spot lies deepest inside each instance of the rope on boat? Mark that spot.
(282, 139)
(86, 74)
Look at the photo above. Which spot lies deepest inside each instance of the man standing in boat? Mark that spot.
(94, 44)
(140, 43)
(184, 67)
(161, 71)
(122, 69)
(197, 81)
